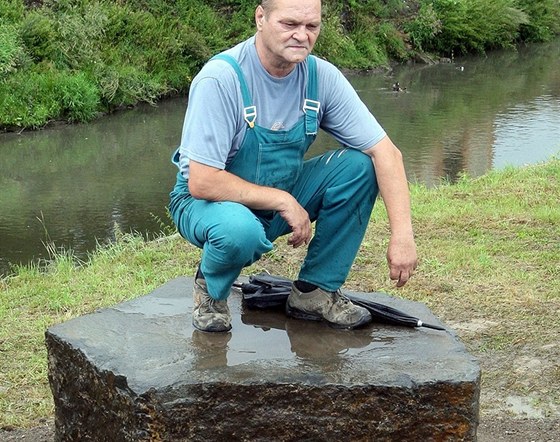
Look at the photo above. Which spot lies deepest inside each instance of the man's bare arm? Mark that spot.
(393, 187)
(212, 184)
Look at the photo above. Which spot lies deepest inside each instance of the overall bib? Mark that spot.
(337, 189)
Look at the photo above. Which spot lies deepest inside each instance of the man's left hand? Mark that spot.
(402, 259)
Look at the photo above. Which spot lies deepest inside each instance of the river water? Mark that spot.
(73, 184)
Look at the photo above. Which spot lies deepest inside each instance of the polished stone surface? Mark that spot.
(147, 349)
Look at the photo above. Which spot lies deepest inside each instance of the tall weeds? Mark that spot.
(464, 26)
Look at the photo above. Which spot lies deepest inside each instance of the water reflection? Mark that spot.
(73, 184)
(270, 337)
(536, 123)
(308, 340)
(210, 349)
(449, 120)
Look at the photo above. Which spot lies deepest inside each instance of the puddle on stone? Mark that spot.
(271, 335)
(153, 334)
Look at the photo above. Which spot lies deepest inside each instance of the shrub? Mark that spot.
(26, 100)
(119, 52)
(334, 44)
(81, 34)
(78, 96)
(12, 53)
(33, 99)
(39, 35)
(470, 25)
(11, 11)
(425, 26)
(371, 51)
(392, 40)
(135, 85)
(543, 19)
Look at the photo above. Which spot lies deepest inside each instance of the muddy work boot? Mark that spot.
(332, 307)
(209, 314)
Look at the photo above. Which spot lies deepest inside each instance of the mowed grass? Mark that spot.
(489, 267)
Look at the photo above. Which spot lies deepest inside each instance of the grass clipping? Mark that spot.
(489, 253)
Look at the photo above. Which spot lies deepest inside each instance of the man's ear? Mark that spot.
(259, 16)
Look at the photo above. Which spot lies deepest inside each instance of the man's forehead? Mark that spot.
(295, 7)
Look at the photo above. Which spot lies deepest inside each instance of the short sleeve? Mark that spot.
(345, 116)
(212, 120)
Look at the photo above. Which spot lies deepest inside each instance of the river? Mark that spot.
(72, 184)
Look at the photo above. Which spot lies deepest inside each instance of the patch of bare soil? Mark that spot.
(43, 433)
(518, 430)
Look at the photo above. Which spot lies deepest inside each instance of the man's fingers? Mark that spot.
(300, 237)
(394, 274)
(401, 276)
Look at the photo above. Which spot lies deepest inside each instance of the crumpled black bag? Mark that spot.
(264, 291)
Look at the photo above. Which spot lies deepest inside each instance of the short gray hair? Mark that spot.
(267, 5)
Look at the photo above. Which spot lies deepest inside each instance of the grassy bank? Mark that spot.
(73, 60)
(490, 254)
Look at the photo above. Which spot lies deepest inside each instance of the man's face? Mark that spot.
(286, 33)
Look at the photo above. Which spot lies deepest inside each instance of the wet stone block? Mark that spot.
(139, 372)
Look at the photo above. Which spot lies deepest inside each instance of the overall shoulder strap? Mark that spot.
(310, 105)
(249, 111)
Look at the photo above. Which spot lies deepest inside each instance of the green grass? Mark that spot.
(489, 266)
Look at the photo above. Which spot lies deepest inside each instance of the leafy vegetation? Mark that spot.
(72, 60)
(446, 26)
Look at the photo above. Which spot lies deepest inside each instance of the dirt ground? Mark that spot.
(490, 430)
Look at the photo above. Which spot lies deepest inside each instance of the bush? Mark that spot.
(11, 11)
(26, 100)
(372, 52)
(12, 54)
(359, 43)
(119, 52)
(424, 28)
(543, 19)
(392, 41)
(135, 85)
(467, 25)
(32, 99)
(78, 96)
(335, 45)
(39, 36)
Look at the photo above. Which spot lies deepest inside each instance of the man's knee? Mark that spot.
(350, 166)
(359, 164)
(239, 238)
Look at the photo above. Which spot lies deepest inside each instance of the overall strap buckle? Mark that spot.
(312, 105)
(311, 110)
(250, 115)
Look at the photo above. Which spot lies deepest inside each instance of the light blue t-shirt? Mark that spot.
(214, 127)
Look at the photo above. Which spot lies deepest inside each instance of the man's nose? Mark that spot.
(300, 33)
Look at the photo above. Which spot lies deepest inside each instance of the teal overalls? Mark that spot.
(338, 190)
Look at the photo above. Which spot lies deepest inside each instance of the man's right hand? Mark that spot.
(298, 220)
